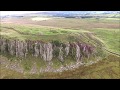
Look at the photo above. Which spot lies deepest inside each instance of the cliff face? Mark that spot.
(46, 51)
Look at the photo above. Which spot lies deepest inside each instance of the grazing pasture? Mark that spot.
(102, 32)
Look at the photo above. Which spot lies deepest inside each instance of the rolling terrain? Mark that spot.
(101, 61)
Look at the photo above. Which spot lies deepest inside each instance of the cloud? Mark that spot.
(2, 13)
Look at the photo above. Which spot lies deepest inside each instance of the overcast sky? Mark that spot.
(2, 13)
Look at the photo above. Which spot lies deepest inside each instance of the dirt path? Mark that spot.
(112, 52)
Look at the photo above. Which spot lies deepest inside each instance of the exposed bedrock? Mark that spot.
(46, 51)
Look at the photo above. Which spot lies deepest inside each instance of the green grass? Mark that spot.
(37, 30)
(111, 38)
(57, 64)
(108, 68)
(106, 30)
(23, 32)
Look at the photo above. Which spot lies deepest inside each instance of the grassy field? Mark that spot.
(71, 23)
(111, 38)
(98, 32)
(76, 23)
(46, 34)
(108, 68)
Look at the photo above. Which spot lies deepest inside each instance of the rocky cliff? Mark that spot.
(46, 51)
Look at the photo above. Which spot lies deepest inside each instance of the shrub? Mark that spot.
(56, 43)
(72, 38)
(53, 31)
(64, 31)
(56, 52)
(63, 45)
(72, 52)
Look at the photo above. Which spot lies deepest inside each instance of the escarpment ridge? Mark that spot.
(46, 51)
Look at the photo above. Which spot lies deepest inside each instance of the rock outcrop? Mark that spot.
(61, 54)
(45, 51)
(77, 53)
(67, 48)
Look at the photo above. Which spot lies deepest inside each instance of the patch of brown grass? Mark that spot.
(69, 23)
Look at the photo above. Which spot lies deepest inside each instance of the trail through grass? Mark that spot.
(111, 38)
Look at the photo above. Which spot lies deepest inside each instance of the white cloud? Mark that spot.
(2, 13)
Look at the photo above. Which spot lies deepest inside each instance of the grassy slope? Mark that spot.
(111, 38)
(105, 69)
(107, 30)
(45, 34)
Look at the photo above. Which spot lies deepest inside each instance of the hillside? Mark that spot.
(59, 47)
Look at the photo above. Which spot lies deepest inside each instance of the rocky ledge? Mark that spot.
(46, 51)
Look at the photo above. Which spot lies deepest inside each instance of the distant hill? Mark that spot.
(71, 14)
(74, 13)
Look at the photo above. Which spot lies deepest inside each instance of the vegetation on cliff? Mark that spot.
(72, 48)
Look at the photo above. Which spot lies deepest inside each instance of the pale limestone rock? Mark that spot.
(67, 48)
(36, 48)
(61, 54)
(77, 52)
